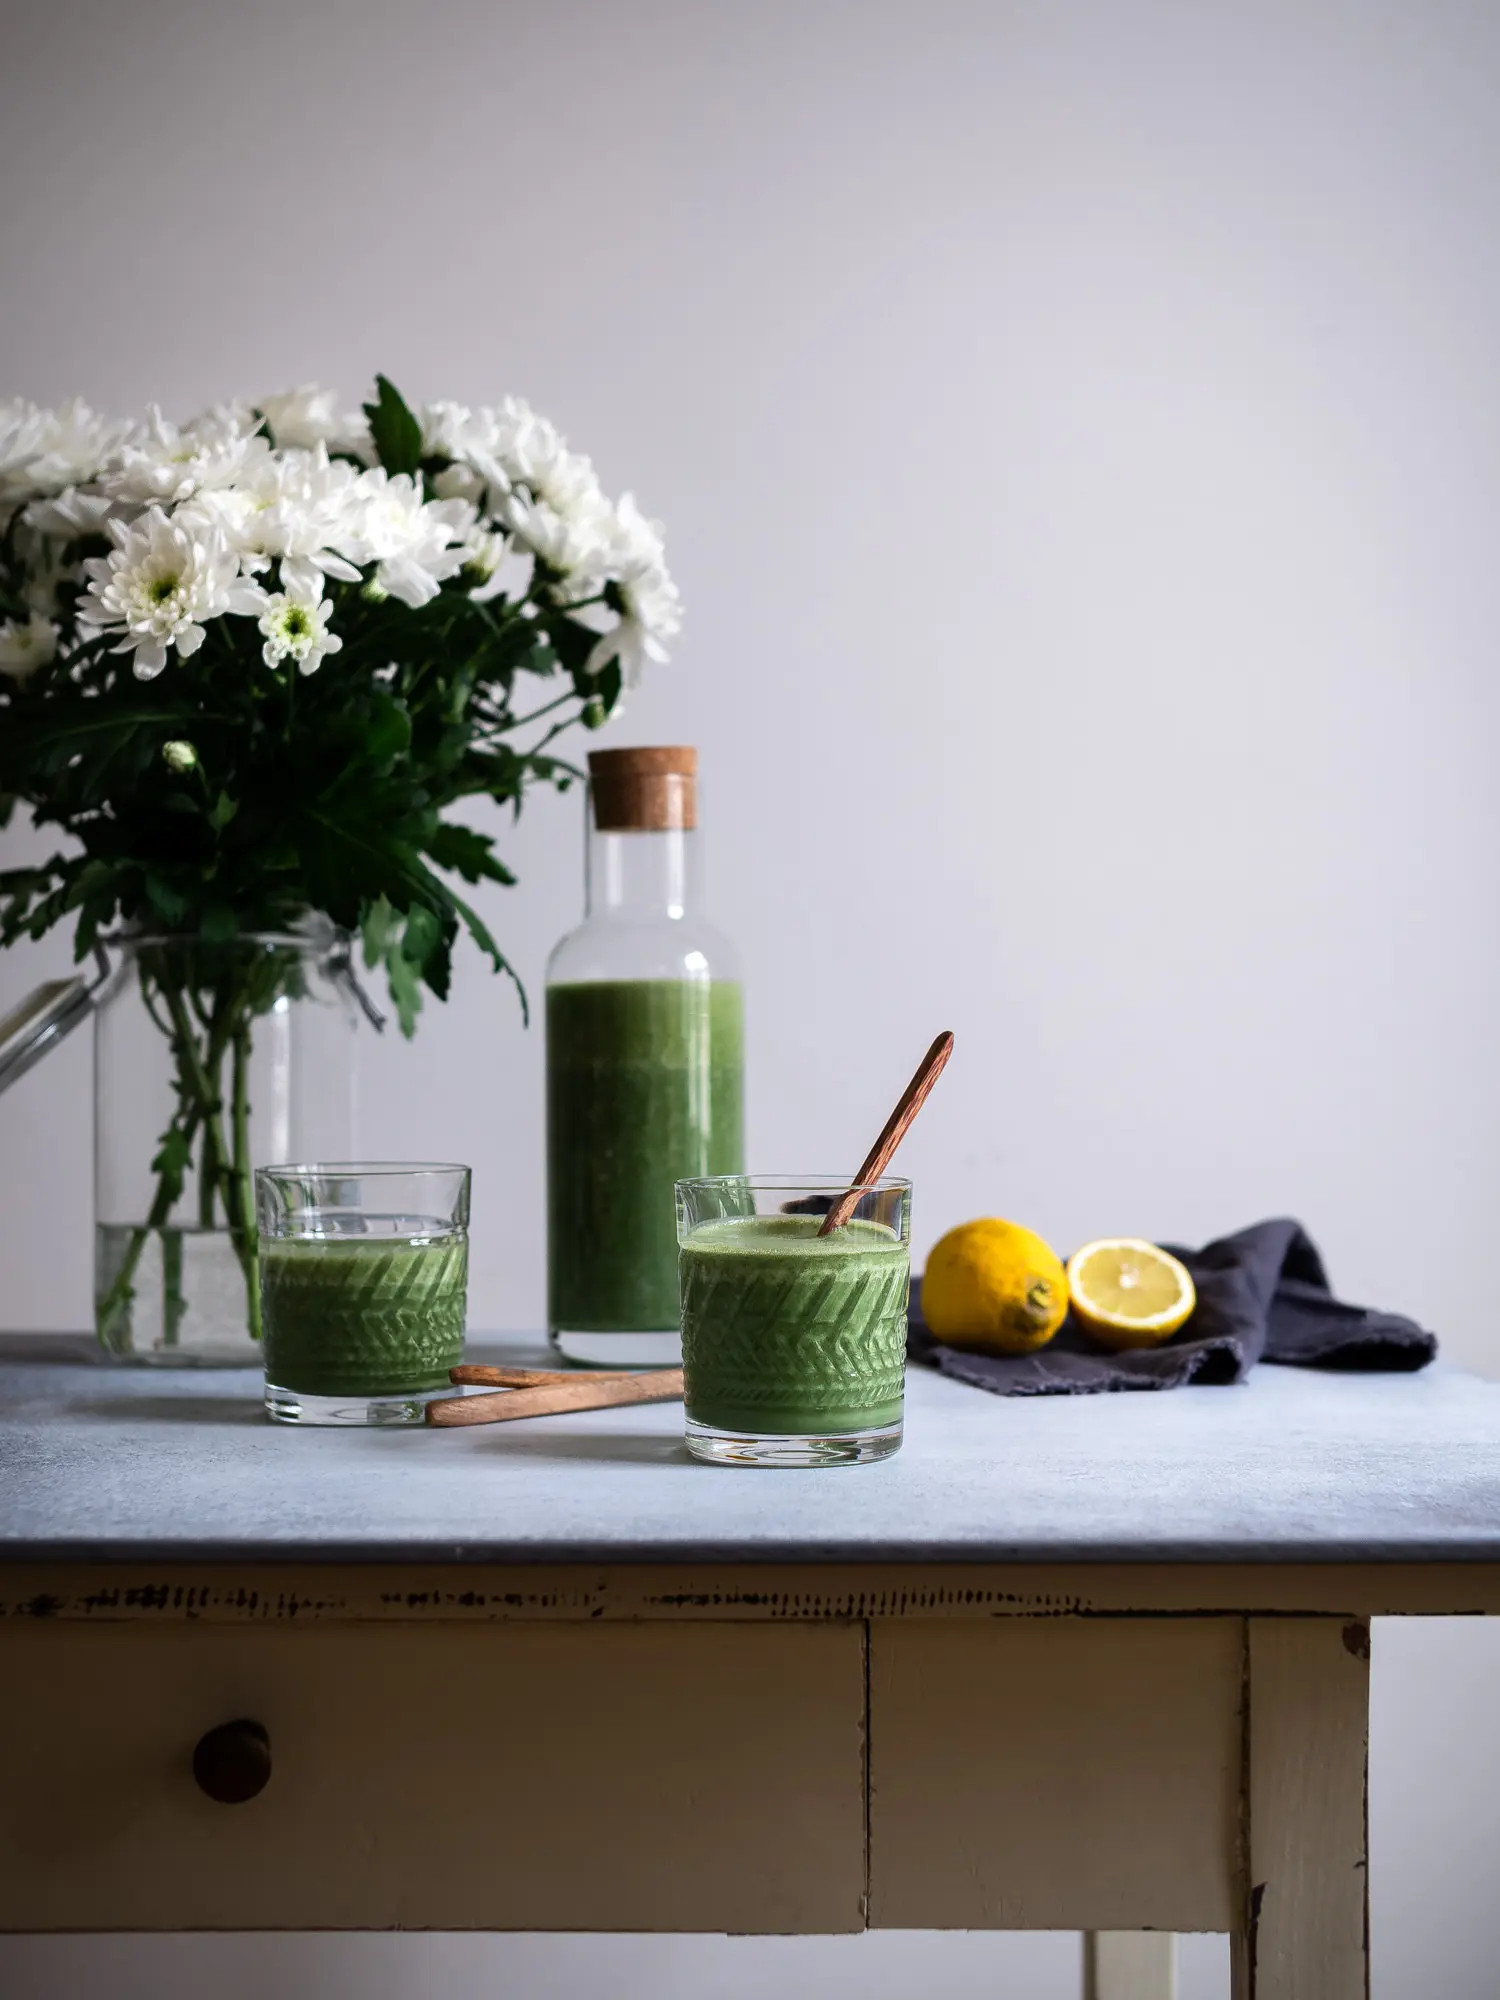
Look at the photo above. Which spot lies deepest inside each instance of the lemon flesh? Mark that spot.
(994, 1288)
(1129, 1293)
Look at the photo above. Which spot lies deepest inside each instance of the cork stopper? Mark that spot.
(646, 790)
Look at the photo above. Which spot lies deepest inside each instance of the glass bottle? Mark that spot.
(645, 1064)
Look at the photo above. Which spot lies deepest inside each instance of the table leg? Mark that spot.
(1306, 1927)
(1129, 1965)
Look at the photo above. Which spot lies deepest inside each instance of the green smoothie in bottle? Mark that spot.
(645, 1059)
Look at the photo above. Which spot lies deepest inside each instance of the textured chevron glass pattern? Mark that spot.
(789, 1332)
(372, 1316)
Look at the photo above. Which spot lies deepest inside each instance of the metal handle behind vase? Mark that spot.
(48, 1014)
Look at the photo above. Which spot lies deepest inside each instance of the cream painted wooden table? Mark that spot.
(1094, 1664)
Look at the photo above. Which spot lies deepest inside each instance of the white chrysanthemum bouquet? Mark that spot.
(247, 663)
(247, 667)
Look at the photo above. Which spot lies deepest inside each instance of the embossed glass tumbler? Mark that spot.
(793, 1344)
(363, 1282)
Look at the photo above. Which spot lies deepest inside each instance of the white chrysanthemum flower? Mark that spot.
(445, 429)
(652, 616)
(26, 646)
(44, 573)
(75, 442)
(484, 551)
(225, 511)
(295, 627)
(652, 613)
(414, 543)
(494, 566)
(556, 508)
(473, 441)
(159, 585)
(460, 482)
(69, 514)
(41, 536)
(44, 451)
(20, 441)
(310, 416)
(636, 538)
(576, 546)
(166, 463)
(297, 506)
(534, 454)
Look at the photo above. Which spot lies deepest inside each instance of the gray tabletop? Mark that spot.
(101, 1463)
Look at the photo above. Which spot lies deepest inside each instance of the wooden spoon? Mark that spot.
(469, 1374)
(548, 1393)
(881, 1153)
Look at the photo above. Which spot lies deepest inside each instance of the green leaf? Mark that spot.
(468, 853)
(388, 734)
(396, 434)
(600, 692)
(480, 934)
(347, 865)
(218, 924)
(224, 810)
(406, 990)
(437, 967)
(422, 935)
(169, 903)
(572, 644)
(26, 881)
(47, 734)
(376, 928)
(173, 1158)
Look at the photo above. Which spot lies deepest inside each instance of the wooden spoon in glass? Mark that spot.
(879, 1158)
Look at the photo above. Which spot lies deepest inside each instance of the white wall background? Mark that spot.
(1077, 431)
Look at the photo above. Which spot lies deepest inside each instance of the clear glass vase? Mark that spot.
(210, 1060)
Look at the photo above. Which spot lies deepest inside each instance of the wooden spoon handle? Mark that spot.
(879, 1158)
(469, 1374)
(547, 1399)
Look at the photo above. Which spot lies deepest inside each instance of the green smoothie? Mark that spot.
(368, 1316)
(644, 1088)
(788, 1332)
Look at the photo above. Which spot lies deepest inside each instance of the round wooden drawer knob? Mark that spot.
(233, 1762)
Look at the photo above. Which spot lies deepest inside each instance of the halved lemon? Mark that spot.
(1128, 1293)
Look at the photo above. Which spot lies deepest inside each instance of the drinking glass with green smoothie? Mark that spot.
(644, 1063)
(793, 1341)
(364, 1274)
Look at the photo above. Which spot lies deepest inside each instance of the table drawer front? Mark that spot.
(532, 1777)
(1061, 1773)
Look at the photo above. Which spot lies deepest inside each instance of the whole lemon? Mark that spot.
(994, 1288)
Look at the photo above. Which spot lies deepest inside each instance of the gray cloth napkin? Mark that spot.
(1263, 1295)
